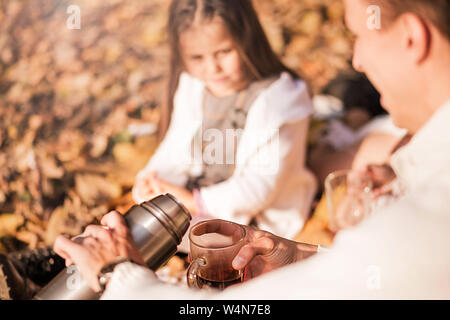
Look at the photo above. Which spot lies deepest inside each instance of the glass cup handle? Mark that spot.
(192, 271)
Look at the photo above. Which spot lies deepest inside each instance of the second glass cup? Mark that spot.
(213, 246)
(349, 198)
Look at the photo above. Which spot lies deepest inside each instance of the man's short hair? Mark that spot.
(436, 12)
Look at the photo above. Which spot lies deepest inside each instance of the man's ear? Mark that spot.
(417, 37)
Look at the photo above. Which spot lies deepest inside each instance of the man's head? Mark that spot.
(406, 56)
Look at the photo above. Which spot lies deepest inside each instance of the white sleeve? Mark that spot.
(134, 282)
(172, 155)
(251, 189)
(167, 165)
(172, 158)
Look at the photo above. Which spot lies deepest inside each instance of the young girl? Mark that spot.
(236, 122)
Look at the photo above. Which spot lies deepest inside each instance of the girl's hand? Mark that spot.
(266, 252)
(149, 186)
(146, 187)
(183, 195)
(98, 246)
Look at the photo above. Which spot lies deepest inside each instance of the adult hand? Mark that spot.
(381, 176)
(97, 246)
(352, 205)
(266, 252)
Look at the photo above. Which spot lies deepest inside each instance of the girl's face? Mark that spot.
(210, 54)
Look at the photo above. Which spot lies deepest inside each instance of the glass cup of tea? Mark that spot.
(349, 198)
(213, 246)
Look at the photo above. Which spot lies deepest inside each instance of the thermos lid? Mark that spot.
(171, 213)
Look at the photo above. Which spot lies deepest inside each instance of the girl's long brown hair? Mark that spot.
(242, 22)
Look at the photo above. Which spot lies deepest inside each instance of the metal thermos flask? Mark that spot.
(157, 227)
